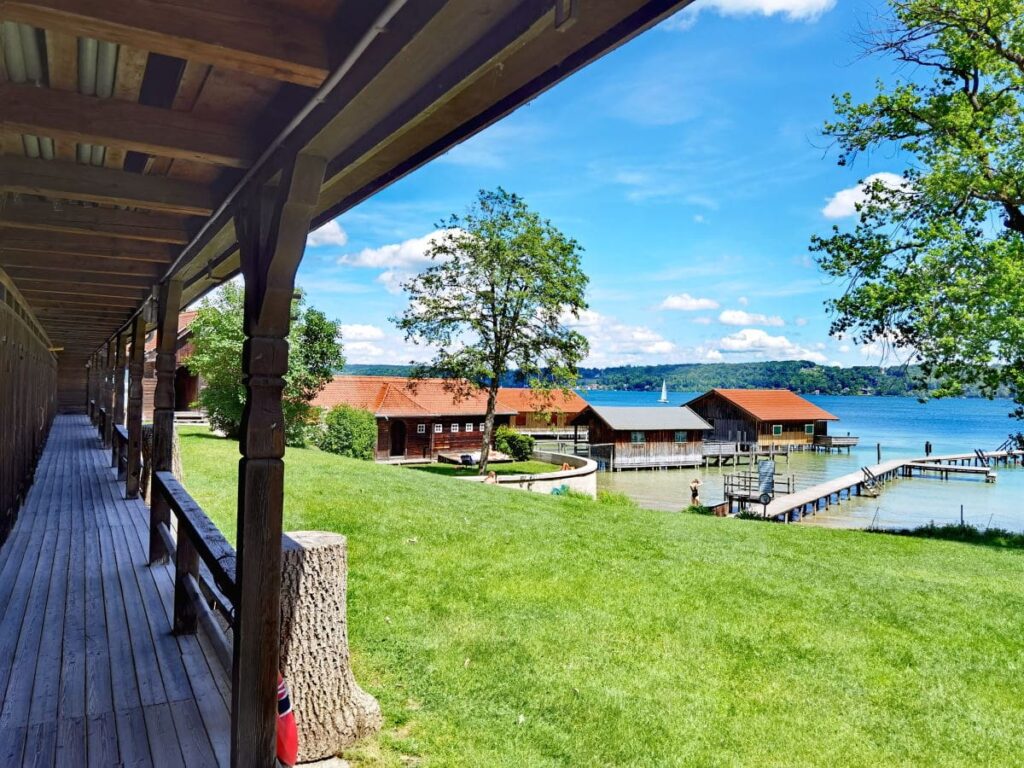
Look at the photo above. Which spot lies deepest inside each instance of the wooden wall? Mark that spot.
(729, 422)
(28, 401)
(71, 379)
(430, 443)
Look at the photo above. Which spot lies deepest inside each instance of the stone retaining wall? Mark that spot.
(582, 478)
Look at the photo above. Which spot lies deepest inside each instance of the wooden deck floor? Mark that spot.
(90, 674)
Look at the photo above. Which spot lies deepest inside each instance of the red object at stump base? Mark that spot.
(287, 733)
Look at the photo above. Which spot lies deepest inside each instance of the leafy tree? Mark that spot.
(314, 354)
(935, 263)
(349, 432)
(502, 283)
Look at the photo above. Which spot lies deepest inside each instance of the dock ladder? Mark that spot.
(983, 460)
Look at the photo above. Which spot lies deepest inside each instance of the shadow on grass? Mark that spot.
(966, 534)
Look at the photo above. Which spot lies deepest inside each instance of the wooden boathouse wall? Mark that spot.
(28, 379)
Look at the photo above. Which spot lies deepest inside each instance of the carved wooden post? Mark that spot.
(163, 409)
(93, 396)
(272, 225)
(135, 368)
(88, 387)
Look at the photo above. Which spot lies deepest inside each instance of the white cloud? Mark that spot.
(398, 261)
(703, 320)
(793, 10)
(844, 348)
(616, 343)
(684, 302)
(801, 321)
(741, 317)
(760, 344)
(844, 202)
(360, 332)
(330, 233)
(743, 301)
(698, 218)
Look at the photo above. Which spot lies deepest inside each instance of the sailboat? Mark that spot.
(664, 392)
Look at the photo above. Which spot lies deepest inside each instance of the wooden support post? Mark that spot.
(88, 388)
(117, 414)
(108, 394)
(272, 224)
(186, 565)
(163, 410)
(135, 369)
(93, 397)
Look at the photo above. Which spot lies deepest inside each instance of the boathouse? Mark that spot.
(766, 417)
(643, 438)
(537, 411)
(149, 152)
(416, 419)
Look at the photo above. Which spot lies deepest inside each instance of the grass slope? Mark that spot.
(502, 628)
(504, 468)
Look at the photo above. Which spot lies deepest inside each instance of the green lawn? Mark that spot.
(503, 628)
(503, 468)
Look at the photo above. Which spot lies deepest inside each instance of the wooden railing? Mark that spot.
(205, 564)
(101, 421)
(119, 451)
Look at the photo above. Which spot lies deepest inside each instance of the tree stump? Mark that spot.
(331, 710)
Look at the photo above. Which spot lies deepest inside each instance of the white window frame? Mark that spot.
(483, 426)
(421, 429)
(808, 429)
(633, 434)
(438, 429)
(684, 433)
(455, 427)
(776, 430)
(468, 427)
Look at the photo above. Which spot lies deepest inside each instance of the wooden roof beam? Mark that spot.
(54, 244)
(71, 181)
(111, 122)
(90, 220)
(116, 295)
(73, 302)
(232, 34)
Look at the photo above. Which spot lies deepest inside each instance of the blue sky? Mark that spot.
(690, 166)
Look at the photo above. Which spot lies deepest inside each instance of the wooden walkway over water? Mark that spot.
(90, 673)
(809, 500)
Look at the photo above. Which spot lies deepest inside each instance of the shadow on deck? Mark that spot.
(90, 673)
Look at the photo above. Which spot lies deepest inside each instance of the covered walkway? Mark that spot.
(90, 673)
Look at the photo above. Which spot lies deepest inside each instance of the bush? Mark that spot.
(698, 509)
(349, 431)
(617, 499)
(515, 444)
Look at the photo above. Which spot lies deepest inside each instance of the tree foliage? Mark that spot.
(314, 355)
(502, 283)
(349, 431)
(935, 264)
(514, 443)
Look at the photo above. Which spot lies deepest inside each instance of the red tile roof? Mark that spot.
(772, 404)
(395, 396)
(526, 400)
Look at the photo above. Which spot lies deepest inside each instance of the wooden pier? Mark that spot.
(869, 480)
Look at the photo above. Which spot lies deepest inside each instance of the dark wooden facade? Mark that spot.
(214, 138)
(733, 424)
(423, 438)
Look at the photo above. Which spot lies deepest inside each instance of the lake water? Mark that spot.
(901, 425)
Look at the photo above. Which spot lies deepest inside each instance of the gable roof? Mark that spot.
(772, 404)
(396, 396)
(526, 400)
(622, 418)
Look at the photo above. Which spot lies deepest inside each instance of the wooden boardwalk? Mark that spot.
(90, 674)
(810, 500)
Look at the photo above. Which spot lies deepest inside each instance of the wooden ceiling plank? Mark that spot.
(74, 288)
(112, 122)
(89, 220)
(103, 185)
(72, 300)
(62, 66)
(12, 261)
(233, 34)
(131, 67)
(24, 240)
(75, 276)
